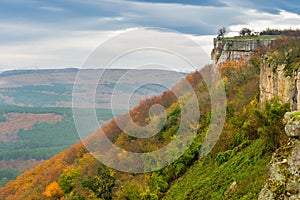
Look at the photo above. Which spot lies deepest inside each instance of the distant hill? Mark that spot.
(37, 71)
(236, 168)
(53, 87)
(36, 120)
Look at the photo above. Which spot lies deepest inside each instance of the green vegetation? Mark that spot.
(43, 140)
(246, 164)
(254, 37)
(268, 34)
(59, 93)
(286, 53)
(285, 32)
(101, 185)
(236, 168)
(7, 175)
(40, 95)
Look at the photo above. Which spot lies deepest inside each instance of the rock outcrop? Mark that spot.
(274, 79)
(275, 82)
(284, 169)
(226, 49)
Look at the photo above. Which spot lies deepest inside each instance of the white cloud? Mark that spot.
(64, 51)
(73, 48)
(67, 42)
(261, 20)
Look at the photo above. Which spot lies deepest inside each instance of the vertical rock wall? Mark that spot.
(237, 48)
(276, 83)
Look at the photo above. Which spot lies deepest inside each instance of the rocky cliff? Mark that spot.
(284, 167)
(275, 81)
(279, 78)
(229, 49)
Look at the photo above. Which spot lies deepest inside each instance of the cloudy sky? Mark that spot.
(62, 33)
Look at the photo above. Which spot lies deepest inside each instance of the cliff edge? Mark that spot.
(236, 48)
(276, 80)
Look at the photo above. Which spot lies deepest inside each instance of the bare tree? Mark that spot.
(221, 32)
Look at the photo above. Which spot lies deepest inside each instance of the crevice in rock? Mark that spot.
(295, 102)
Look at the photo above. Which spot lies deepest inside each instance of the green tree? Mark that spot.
(245, 31)
(271, 124)
(101, 184)
(67, 181)
(132, 191)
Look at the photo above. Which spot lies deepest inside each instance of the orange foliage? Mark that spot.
(53, 191)
(32, 183)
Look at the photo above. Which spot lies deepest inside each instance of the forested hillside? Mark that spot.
(30, 135)
(36, 119)
(236, 168)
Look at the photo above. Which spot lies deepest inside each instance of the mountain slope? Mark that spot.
(240, 177)
(43, 125)
(247, 141)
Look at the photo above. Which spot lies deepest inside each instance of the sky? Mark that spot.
(63, 33)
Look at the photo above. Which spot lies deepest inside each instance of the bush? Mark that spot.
(131, 191)
(67, 181)
(271, 128)
(101, 184)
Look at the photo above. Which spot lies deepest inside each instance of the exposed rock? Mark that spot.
(232, 188)
(284, 170)
(274, 82)
(294, 162)
(292, 127)
(237, 48)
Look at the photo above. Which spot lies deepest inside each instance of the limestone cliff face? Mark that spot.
(237, 48)
(274, 82)
(284, 167)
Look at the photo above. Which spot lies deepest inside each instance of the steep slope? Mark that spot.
(249, 137)
(240, 75)
(241, 176)
(77, 160)
(283, 173)
(43, 126)
(240, 173)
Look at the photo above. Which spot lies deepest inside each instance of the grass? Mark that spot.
(204, 180)
(295, 114)
(260, 37)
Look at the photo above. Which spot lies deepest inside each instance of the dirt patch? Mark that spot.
(16, 121)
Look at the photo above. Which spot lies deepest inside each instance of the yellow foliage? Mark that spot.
(53, 191)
